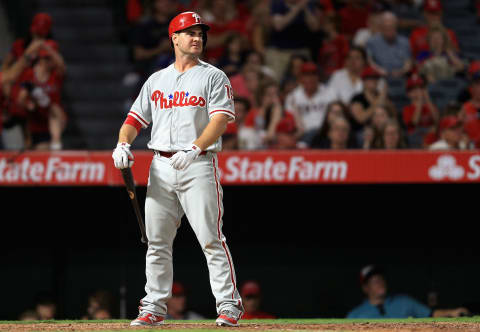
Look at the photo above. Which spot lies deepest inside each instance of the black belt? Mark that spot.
(169, 154)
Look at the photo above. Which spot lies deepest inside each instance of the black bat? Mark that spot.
(132, 193)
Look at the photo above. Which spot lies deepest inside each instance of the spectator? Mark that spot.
(232, 138)
(11, 117)
(263, 123)
(470, 110)
(362, 104)
(308, 102)
(246, 83)
(233, 58)
(347, 82)
(150, 43)
(261, 25)
(381, 115)
(379, 304)
(334, 48)
(40, 95)
(100, 305)
(440, 61)
(335, 109)
(388, 51)
(293, 22)
(432, 11)
(252, 299)
(177, 305)
(40, 30)
(363, 35)
(338, 136)
(354, 16)
(224, 20)
(451, 135)
(392, 138)
(421, 116)
(256, 60)
(292, 76)
(45, 306)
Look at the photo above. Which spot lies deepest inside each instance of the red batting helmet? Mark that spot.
(185, 20)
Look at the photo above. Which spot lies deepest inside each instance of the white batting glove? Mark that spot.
(122, 157)
(183, 159)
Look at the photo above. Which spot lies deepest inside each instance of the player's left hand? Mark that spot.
(182, 159)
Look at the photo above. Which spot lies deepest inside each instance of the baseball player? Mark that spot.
(189, 105)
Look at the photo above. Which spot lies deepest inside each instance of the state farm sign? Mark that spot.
(292, 169)
(87, 168)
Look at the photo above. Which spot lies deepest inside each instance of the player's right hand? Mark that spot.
(122, 157)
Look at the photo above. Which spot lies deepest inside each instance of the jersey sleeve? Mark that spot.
(221, 97)
(141, 110)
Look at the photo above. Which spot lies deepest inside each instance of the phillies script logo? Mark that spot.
(177, 99)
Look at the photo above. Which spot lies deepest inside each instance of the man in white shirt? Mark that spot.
(451, 134)
(308, 103)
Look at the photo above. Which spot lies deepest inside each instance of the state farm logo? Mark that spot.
(446, 168)
(51, 170)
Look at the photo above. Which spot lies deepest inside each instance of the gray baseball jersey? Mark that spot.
(179, 105)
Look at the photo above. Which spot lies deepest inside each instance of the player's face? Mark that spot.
(190, 41)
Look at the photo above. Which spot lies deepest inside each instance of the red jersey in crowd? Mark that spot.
(472, 122)
(426, 118)
(419, 40)
(44, 94)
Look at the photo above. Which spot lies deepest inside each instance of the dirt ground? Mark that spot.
(375, 327)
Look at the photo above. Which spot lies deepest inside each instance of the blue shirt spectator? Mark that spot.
(380, 305)
(388, 51)
(396, 306)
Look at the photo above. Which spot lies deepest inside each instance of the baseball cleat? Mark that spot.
(227, 318)
(147, 319)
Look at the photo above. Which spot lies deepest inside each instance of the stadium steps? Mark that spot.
(96, 62)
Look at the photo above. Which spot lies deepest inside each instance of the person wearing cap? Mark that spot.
(470, 112)
(421, 115)
(308, 102)
(432, 12)
(252, 299)
(451, 135)
(177, 305)
(40, 29)
(363, 104)
(379, 304)
(40, 97)
(388, 51)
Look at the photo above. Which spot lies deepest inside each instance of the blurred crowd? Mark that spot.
(305, 73)
(317, 73)
(379, 302)
(31, 77)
